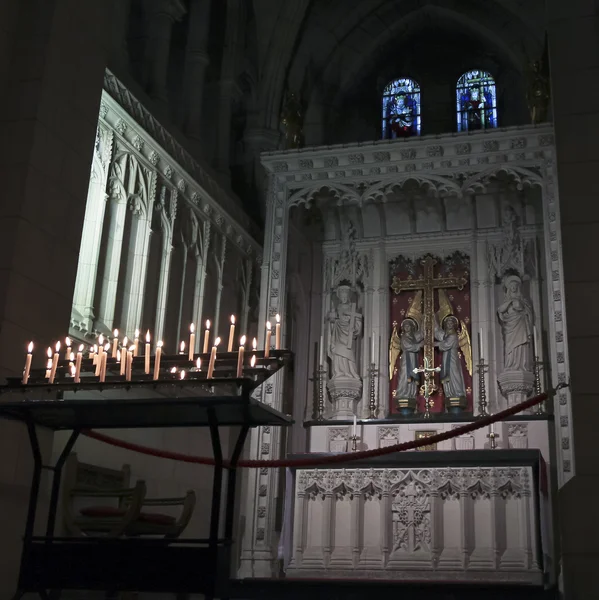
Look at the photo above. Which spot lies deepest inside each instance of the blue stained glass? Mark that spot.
(476, 99)
(401, 109)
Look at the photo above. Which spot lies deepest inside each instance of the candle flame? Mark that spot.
(192, 328)
(216, 342)
(101, 340)
(160, 344)
(254, 343)
(182, 374)
(278, 318)
(174, 370)
(73, 370)
(72, 356)
(199, 363)
(118, 355)
(49, 352)
(182, 346)
(232, 319)
(131, 348)
(106, 347)
(148, 336)
(207, 323)
(137, 333)
(49, 364)
(67, 341)
(116, 333)
(96, 348)
(30, 347)
(125, 341)
(81, 348)
(253, 361)
(268, 325)
(242, 341)
(57, 346)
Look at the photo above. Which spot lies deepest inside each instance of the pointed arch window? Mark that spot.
(476, 99)
(401, 109)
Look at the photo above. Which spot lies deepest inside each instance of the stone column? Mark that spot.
(160, 16)
(89, 253)
(220, 269)
(196, 63)
(201, 258)
(574, 54)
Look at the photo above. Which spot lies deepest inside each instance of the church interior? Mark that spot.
(297, 297)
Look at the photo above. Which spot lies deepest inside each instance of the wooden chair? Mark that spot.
(114, 508)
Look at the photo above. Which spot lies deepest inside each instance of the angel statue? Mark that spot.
(450, 341)
(407, 347)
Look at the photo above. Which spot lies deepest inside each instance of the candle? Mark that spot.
(182, 374)
(147, 355)
(67, 351)
(536, 353)
(278, 333)
(115, 343)
(321, 351)
(129, 363)
(77, 373)
(103, 364)
(119, 359)
(136, 343)
(231, 334)
(157, 360)
(212, 359)
(182, 348)
(99, 356)
(206, 337)
(54, 363)
(93, 354)
(48, 365)
(253, 361)
(27, 363)
(480, 342)
(267, 340)
(372, 349)
(355, 426)
(72, 369)
(240, 357)
(192, 340)
(198, 364)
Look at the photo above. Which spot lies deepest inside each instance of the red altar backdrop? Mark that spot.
(457, 265)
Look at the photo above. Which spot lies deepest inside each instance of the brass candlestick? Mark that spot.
(538, 387)
(320, 374)
(492, 437)
(482, 369)
(372, 404)
(354, 442)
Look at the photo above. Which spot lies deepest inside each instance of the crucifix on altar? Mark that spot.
(430, 339)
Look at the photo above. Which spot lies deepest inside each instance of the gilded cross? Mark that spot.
(428, 283)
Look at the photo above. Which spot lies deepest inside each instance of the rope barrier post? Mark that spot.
(217, 483)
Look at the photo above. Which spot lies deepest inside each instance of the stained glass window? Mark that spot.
(401, 109)
(476, 101)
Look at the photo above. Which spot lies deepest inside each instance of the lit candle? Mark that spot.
(182, 348)
(129, 366)
(212, 359)
(321, 351)
(136, 343)
(157, 360)
(122, 357)
(115, 343)
(240, 357)
(182, 374)
(103, 364)
(54, 363)
(67, 351)
(192, 340)
(254, 346)
(99, 356)
(253, 361)
(72, 369)
(278, 333)
(355, 426)
(206, 337)
(27, 363)
(267, 340)
(93, 354)
(147, 355)
(198, 364)
(49, 365)
(77, 375)
(231, 334)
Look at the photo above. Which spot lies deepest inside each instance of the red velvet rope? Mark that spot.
(331, 459)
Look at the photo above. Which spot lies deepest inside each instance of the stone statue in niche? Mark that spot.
(345, 327)
(345, 330)
(410, 342)
(516, 319)
(448, 341)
